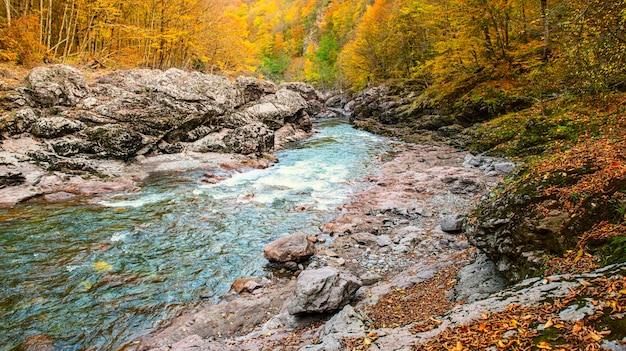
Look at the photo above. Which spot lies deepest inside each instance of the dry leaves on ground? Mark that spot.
(539, 327)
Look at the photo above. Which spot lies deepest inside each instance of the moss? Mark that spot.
(613, 251)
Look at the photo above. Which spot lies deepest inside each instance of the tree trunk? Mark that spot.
(7, 5)
(546, 30)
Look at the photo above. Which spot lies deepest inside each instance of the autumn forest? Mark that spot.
(555, 44)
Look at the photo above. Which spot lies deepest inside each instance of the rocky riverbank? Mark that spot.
(60, 136)
(400, 243)
(419, 283)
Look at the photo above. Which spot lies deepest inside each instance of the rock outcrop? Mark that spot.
(129, 114)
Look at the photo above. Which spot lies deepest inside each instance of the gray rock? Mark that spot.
(287, 102)
(345, 324)
(453, 223)
(18, 123)
(115, 141)
(54, 127)
(370, 278)
(578, 311)
(253, 138)
(306, 91)
(383, 240)
(295, 247)
(364, 238)
(268, 114)
(477, 280)
(323, 290)
(70, 146)
(57, 85)
(254, 88)
(504, 168)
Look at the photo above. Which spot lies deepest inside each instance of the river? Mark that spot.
(98, 272)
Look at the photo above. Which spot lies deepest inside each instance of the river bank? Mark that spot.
(399, 250)
(418, 281)
(61, 135)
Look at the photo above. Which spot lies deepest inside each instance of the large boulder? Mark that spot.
(57, 85)
(295, 247)
(323, 290)
(287, 102)
(54, 127)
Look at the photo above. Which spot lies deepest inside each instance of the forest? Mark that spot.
(554, 45)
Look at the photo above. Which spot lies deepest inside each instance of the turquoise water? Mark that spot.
(102, 271)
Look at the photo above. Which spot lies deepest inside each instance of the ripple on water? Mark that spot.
(98, 273)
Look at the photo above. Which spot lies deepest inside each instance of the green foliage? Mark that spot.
(613, 251)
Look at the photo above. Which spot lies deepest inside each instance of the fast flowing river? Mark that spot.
(102, 271)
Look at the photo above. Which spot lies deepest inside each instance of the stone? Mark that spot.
(453, 223)
(254, 88)
(57, 85)
(245, 285)
(115, 141)
(11, 178)
(70, 146)
(19, 123)
(295, 247)
(383, 240)
(253, 138)
(364, 238)
(323, 290)
(54, 127)
(504, 168)
(370, 278)
(477, 280)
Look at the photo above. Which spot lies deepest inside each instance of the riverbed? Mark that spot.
(98, 272)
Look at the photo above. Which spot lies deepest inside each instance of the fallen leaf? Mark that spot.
(548, 324)
(543, 345)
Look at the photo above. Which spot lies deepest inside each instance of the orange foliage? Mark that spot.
(20, 42)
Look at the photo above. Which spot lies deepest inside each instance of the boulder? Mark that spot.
(477, 280)
(295, 247)
(70, 146)
(54, 127)
(18, 123)
(58, 85)
(453, 223)
(268, 114)
(287, 102)
(253, 138)
(303, 89)
(115, 141)
(254, 88)
(323, 290)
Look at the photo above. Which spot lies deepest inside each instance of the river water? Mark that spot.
(102, 271)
